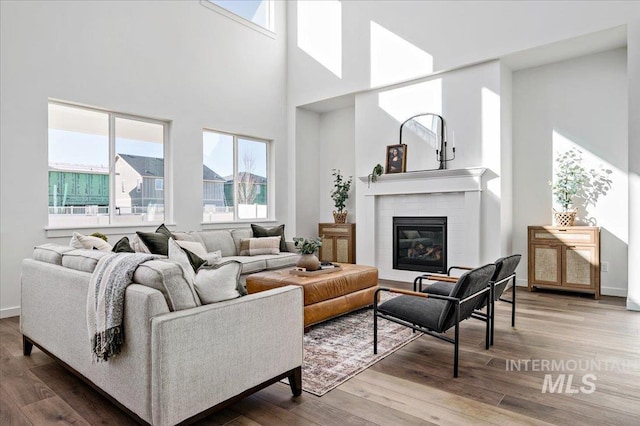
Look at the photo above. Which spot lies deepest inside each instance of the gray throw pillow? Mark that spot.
(219, 282)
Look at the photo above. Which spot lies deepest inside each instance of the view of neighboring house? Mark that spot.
(252, 189)
(78, 185)
(139, 185)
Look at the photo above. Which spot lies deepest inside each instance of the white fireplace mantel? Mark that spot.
(425, 182)
(402, 192)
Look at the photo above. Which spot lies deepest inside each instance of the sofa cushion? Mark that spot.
(219, 282)
(168, 278)
(277, 231)
(79, 241)
(240, 234)
(256, 246)
(82, 259)
(282, 260)
(218, 240)
(50, 253)
(250, 264)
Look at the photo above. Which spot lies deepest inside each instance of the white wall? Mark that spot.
(633, 73)
(469, 99)
(337, 151)
(307, 173)
(585, 101)
(454, 33)
(171, 60)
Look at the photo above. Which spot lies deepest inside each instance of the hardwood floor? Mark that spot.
(412, 386)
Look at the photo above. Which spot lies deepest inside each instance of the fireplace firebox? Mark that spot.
(420, 244)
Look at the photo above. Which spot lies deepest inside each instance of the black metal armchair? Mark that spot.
(434, 314)
(504, 273)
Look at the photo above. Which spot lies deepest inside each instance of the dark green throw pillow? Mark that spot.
(162, 229)
(195, 260)
(123, 246)
(156, 242)
(277, 231)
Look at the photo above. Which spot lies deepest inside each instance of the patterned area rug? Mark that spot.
(339, 349)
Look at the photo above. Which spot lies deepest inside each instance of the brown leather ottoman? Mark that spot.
(326, 295)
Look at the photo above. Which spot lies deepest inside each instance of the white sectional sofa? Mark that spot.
(179, 361)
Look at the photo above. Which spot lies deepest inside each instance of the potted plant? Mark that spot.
(307, 249)
(373, 176)
(573, 180)
(339, 194)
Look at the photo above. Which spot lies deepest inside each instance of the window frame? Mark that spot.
(112, 116)
(270, 184)
(271, 11)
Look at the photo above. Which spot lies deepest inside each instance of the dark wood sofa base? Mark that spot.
(294, 376)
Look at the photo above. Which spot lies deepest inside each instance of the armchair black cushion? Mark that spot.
(434, 314)
(505, 271)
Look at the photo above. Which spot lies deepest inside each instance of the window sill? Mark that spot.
(54, 232)
(238, 223)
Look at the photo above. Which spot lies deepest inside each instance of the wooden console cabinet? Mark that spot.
(565, 258)
(338, 242)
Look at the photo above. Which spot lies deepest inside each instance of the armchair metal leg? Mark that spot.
(488, 339)
(513, 302)
(492, 310)
(375, 323)
(456, 342)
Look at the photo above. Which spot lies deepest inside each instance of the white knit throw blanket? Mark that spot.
(105, 301)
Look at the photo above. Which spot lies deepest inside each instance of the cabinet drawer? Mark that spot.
(572, 235)
(334, 230)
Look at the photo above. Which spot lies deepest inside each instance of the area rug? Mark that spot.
(339, 349)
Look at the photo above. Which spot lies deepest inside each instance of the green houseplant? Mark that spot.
(375, 173)
(339, 194)
(573, 181)
(307, 249)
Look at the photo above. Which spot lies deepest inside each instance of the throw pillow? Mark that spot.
(123, 246)
(89, 242)
(178, 255)
(256, 246)
(213, 257)
(261, 232)
(193, 246)
(138, 246)
(155, 242)
(219, 282)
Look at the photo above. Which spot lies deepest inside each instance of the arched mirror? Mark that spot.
(425, 137)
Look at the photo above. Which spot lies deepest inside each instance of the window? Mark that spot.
(259, 12)
(235, 177)
(93, 151)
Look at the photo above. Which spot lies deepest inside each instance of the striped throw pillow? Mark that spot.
(256, 246)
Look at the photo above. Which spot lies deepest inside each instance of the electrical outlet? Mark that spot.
(604, 266)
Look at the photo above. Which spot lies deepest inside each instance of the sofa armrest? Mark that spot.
(217, 351)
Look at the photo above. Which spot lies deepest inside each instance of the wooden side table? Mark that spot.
(338, 242)
(565, 258)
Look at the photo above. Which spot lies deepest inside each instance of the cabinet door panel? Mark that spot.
(579, 265)
(342, 250)
(546, 264)
(326, 251)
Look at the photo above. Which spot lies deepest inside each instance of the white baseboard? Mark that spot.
(612, 291)
(10, 312)
(632, 306)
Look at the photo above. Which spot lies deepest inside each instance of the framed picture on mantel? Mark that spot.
(396, 158)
